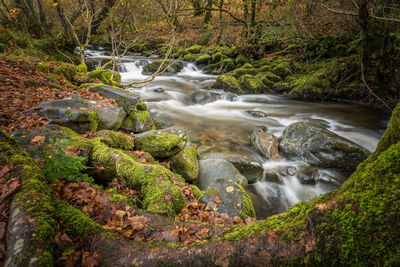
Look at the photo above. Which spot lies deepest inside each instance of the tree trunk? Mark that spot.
(207, 16)
(42, 16)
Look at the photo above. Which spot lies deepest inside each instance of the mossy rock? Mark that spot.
(314, 85)
(283, 69)
(250, 83)
(104, 76)
(67, 70)
(138, 121)
(262, 63)
(217, 57)
(281, 87)
(228, 83)
(189, 58)
(265, 80)
(81, 68)
(228, 64)
(152, 67)
(243, 71)
(203, 60)
(115, 139)
(159, 143)
(186, 163)
(194, 49)
(241, 60)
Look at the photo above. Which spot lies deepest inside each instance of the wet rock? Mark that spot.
(125, 99)
(274, 176)
(250, 83)
(81, 114)
(162, 143)
(320, 147)
(204, 97)
(308, 175)
(250, 168)
(213, 169)
(257, 113)
(266, 144)
(186, 163)
(228, 83)
(203, 149)
(228, 197)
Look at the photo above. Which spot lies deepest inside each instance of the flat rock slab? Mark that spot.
(125, 99)
(77, 112)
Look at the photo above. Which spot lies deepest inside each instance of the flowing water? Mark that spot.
(220, 122)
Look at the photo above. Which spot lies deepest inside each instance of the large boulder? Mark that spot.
(213, 169)
(228, 83)
(125, 99)
(161, 143)
(228, 197)
(81, 114)
(186, 163)
(250, 83)
(248, 167)
(320, 147)
(138, 121)
(266, 144)
(172, 69)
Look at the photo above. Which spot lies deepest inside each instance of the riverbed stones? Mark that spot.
(257, 113)
(213, 169)
(161, 143)
(274, 176)
(186, 163)
(266, 144)
(248, 167)
(171, 68)
(319, 147)
(81, 114)
(225, 196)
(125, 99)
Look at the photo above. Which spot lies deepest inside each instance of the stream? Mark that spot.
(221, 122)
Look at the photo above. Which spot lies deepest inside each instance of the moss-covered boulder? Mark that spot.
(116, 139)
(233, 199)
(250, 83)
(138, 121)
(104, 76)
(228, 83)
(189, 57)
(320, 147)
(186, 163)
(241, 60)
(194, 49)
(245, 69)
(281, 87)
(227, 64)
(170, 69)
(217, 57)
(203, 60)
(157, 185)
(265, 80)
(314, 85)
(160, 143)
(282, 69)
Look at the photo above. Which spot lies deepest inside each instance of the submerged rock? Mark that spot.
(250, 168)
(266, 144)
(228, 197)
(152, 67)
(213, 169)
(320, 147)
(81, 114)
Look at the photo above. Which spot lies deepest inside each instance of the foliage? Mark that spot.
(60, 162)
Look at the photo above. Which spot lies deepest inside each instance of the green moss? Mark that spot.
(189, 57)
(241, 60)
(138, 121)
(392, 134)
(67, 70)
(95, 121)
(44, 67)
(204, 59)
(116, 139)
(45, 259)
(227, 64)
(218, 57)
(82, 68)
(194, 49)
(251, 83)
(152, 67)
(3, 48)
(243, 71)
(161, 145)
(228, 83)
(196, 191)
(313, 85)
(247, 205)
(186, 163)
(104, 76)
(141, 106)
(283, 69)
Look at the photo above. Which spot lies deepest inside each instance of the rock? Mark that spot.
(230, 198)
(82, 115)
(194, 49)
(228, 83)
(241, 60)
(308, 175)
(104, 76)
(203, 149)
(280, 87)
(320, 147)
(250, 168)
(152, 67)
(245, 69)
(189, 58)
(265, 80)
(283, 69)
(186, 163)
(204, 60)
(227, 64)
(266, 144)
(204, 97)
(138, 122)
(274, 176)
(257, 113)
(250, 83)
(218, 57)
(161, 143)
(125, 99)
(213, 169)
(116, 139)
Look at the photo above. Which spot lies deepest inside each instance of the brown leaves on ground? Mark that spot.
(8, 187)
(23, 87)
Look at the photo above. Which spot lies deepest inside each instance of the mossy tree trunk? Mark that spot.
(357, 224)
